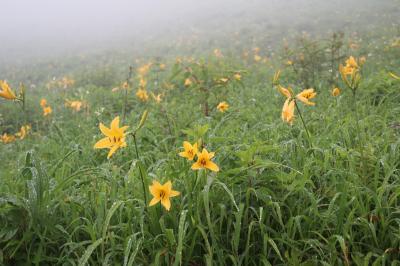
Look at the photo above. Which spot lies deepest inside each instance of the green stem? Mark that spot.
(304, 124)
(126, 93)
(197, 180)
(140, 171)
(356, 114)
(125, 104)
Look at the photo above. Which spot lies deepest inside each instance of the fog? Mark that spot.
(45, 28)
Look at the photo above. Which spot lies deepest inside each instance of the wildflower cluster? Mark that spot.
(203, 158)
(290, 102)
(75, 105)
(46, 108)
(350, 72)
(141, 92)
(23, 132)
(64, 83)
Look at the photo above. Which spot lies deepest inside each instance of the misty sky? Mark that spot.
(26, 19)
(30, 27)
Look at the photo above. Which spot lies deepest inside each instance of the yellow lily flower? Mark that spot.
(5, 138)
(43, 103)
(350, 69)
(237, 76)
(285, 92)
(188, 82)
(335, 92)
(257, 58)
(305, 95)
(142, 71)
(142, 83)
(204, 161)
(142, 95)
(75, 105)
(190, 151)
(6, 91)
(223, 80)
(115, 137)
(223, 106)
(276, 77)
(162, 193)
(23, 131)
(157, 98)
(47, 111)
(351, 62)
(288, 111)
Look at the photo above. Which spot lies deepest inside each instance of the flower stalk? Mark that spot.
(140, 170)
(126, 93)
(304, 123)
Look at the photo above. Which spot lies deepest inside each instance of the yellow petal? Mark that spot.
(166, 203)
(105, 130)
(155, 189)
(187, 146)
(115, 123)
(167, 187)
(305, 100)
(183, 154)
(195, 149)
(174, 193)
(103, 143)
(196, 166)
(284, 109)
(123, 128)
(288, 111)
(154, 201)
(285, 92)
(112, 151)
(212, 166)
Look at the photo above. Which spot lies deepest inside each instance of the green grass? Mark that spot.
(276, 201)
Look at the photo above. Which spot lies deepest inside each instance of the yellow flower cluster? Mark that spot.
(203, 158)
(46, 108)
(75, 105)
(8, 138)
(115, 138)
(350, 72)
(142, 94)
(5, 138)
(142, 71)
(290, 103)
(64, 82)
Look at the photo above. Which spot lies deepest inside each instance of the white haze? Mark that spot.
(40, 28)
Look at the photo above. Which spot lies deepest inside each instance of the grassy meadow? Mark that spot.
(275, 173)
